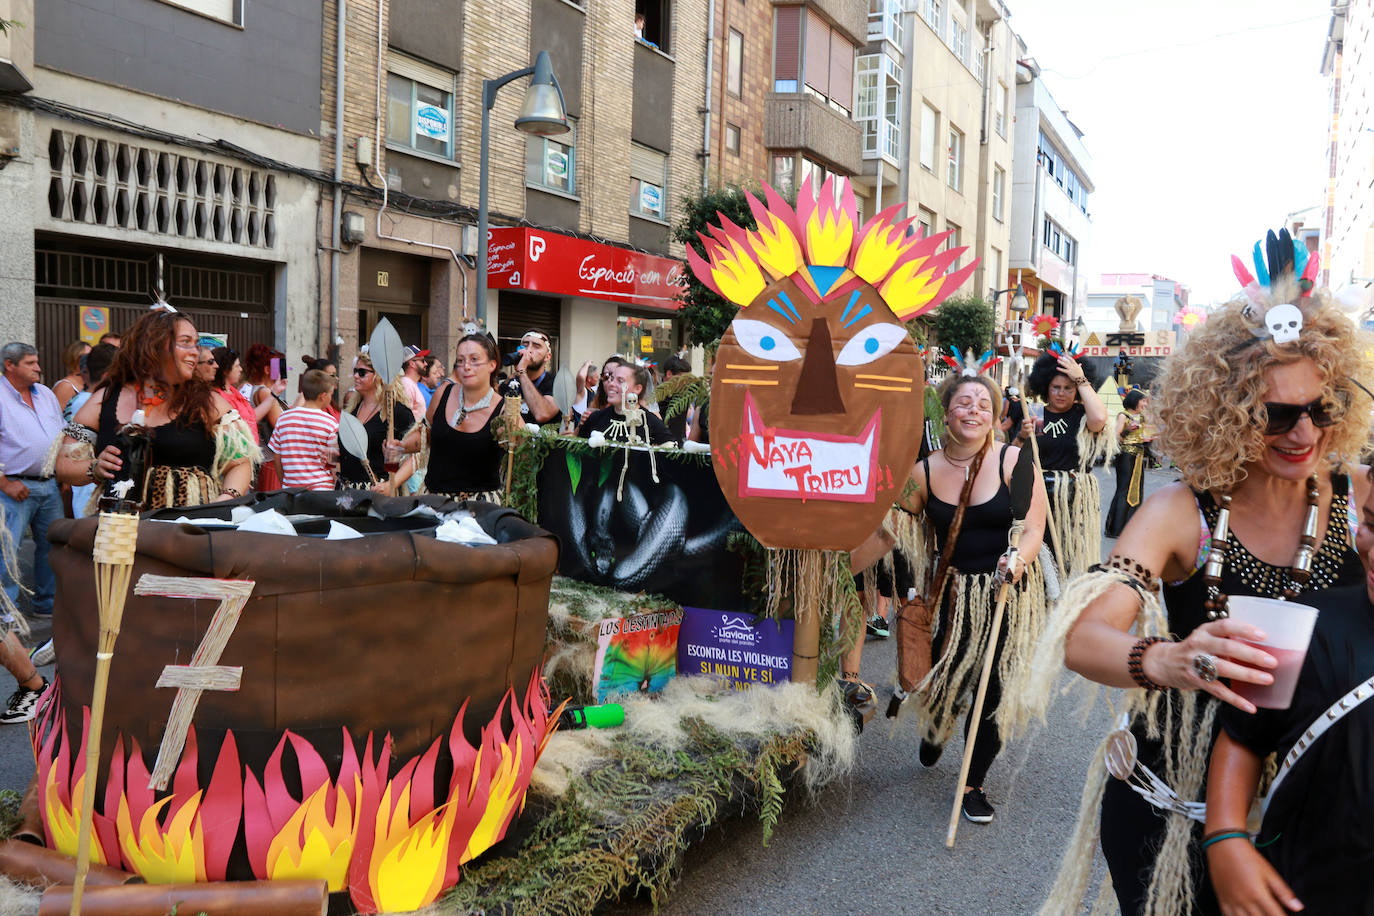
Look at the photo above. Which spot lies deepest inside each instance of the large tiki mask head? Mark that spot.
(816, 399)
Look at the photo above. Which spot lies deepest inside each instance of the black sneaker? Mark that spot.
(23, 704)
(878, 627)
(930, 753)
(976, 807)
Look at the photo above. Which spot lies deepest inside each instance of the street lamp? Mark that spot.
(1018, 307)
(542, 114)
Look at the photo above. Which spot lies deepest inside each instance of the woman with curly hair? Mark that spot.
(1263, 415)
(1072, 437)
(200, 450)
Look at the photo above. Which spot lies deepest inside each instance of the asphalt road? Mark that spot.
(876, 842)
(873, 843)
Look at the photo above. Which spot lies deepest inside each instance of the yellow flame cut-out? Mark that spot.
(736, 273)
(911, 288)
(829, 234)
(310, 845)
(502, 799)
(174, 854)
(63, 821)
(880, 245)
(776, 247)
(408, 861)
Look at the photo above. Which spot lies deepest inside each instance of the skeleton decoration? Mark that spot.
(1280, 288)
(628, 428)
(816, 398)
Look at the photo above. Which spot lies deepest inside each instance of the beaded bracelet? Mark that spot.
(1134, 662)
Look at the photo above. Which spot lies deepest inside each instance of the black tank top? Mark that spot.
(178, 444)
(1336, 564)
(462, 462)
(983, 538)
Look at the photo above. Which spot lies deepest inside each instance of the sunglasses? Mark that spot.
(1322, 413)
(362, 372)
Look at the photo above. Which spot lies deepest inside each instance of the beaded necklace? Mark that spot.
(1295, 577)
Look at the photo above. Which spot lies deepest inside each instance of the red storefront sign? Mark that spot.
(550, 262)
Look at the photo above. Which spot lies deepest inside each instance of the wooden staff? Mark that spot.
(1022, 493)
(116, 540)
(1059, 558)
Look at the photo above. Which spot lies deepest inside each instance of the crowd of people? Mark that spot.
(1266, 434)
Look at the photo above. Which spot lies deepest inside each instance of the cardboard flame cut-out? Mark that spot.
(394, 843)
(816, 399)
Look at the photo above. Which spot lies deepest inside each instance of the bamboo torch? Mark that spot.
(116, 540)
(510, 416)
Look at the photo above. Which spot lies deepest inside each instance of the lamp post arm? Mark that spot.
(490, 87)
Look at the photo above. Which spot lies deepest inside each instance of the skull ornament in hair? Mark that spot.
(816, 398)
(1280, 289)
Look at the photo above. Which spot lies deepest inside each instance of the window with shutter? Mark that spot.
(817, 69)
(648, 177)
(786, 48)
(841, 71)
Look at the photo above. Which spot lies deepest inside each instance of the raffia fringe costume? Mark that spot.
(947, 691)
(1181, 719)
(1076, 500)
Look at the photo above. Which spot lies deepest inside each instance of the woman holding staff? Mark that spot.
(365, 403)
(1070, 438)
(974, 469)
(1263, 414)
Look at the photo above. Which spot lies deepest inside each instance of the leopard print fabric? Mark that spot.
(168, 486)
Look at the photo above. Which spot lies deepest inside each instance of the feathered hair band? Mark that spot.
(966, 365)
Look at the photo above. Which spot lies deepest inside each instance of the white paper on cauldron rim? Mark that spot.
(463, 529)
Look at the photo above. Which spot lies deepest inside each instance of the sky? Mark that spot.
(1207, 123)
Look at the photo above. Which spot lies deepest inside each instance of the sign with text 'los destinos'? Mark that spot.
(550, 262)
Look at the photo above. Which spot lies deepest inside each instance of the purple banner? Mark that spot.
(735, 647)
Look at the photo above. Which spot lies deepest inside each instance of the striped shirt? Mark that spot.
(297, 439)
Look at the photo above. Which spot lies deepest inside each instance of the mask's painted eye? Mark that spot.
(761, 339)
(870, 343)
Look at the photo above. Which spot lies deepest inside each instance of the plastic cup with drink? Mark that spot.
(1288, 630)
(392, 456)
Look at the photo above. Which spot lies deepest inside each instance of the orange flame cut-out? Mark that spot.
(391, 842)
(823, 231)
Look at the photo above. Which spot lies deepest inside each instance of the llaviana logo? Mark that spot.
(737, 630)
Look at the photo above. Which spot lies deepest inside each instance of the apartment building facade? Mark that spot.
(1348, 230)
(934, 102)
(1051, 185)
(581, 241)
(160, 150)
